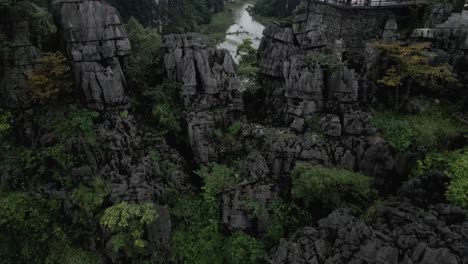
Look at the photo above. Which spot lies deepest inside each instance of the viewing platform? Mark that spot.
(370, 4)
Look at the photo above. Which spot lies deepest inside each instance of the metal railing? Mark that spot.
(371, 3)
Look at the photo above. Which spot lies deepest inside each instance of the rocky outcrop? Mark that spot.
(247, 206)
(96, 43)
(451, 34)
(277, 45)
(19, 56)
(209, 88)
(398, 232)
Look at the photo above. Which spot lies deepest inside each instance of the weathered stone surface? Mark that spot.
(451, 34)
(277, 46)
(209, 88)
(19, 62)
(438, 14)
(400, 232)
(96, 41)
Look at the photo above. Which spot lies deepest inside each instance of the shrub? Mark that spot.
(166, 113)
(285, 219)
(411, 64)
(247, 60)
(146, 43)
(228, 136)
(395, 130)
(51, 78)
(328, 189)
(5, 119)
(243, 249)
(127, 222)
(457, 190)
(426, 129)
(90, 199)
(217, 178)
(24, 227)
(71, 122)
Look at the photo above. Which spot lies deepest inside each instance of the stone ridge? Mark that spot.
(209, 88)
(96, 42)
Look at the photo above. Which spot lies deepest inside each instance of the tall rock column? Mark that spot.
(96, 43)
(209, 88)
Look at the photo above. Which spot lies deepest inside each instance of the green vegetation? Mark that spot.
(30, 233)
(247, 61)
(457, 190)
(127, 223)
(410, 65)
(327, 189)
(198, 236)
(217, 178)
(51, 79)
(285, 219)
(228, 136)
(166, 113)
(455, 165)
(90, 198)
(146, 44)
(426, 129)
(323, 59)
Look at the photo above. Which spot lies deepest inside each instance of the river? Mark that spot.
(249, 28)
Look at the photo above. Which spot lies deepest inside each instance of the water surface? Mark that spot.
(245, 27)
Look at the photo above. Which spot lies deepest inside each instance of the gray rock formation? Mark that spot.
(402, 230)
(451, 34)
(209, 88)
(20, 58)
(277, 46)
(96, 42)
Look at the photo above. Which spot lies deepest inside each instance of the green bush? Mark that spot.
(395, 130)
(217, 178)
(285, 219)
(24, 227)
(166, 113)
(327, 189)
(146, 44)
(127, 223)
(457, 190)
(90, 198)
(243, 249)
(427, 129)
(198, 237)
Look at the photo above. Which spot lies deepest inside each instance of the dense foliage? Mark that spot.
(126, 222)
(51, 79)
(411, 65)
(198, 236)
(247, 60)
(321, 188)
(428, 129)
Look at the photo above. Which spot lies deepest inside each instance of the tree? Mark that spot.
(410, 65)
(127, 222)
(146, 43)
(51, 78)
(248, 59)
(324, 189)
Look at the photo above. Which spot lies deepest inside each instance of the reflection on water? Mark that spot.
(244, 28)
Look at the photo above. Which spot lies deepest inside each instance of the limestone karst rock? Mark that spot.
(209, 88)
(96, 42)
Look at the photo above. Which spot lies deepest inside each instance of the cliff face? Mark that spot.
(209, 89)
(96, 42)
(20, 58)
(397, 234)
